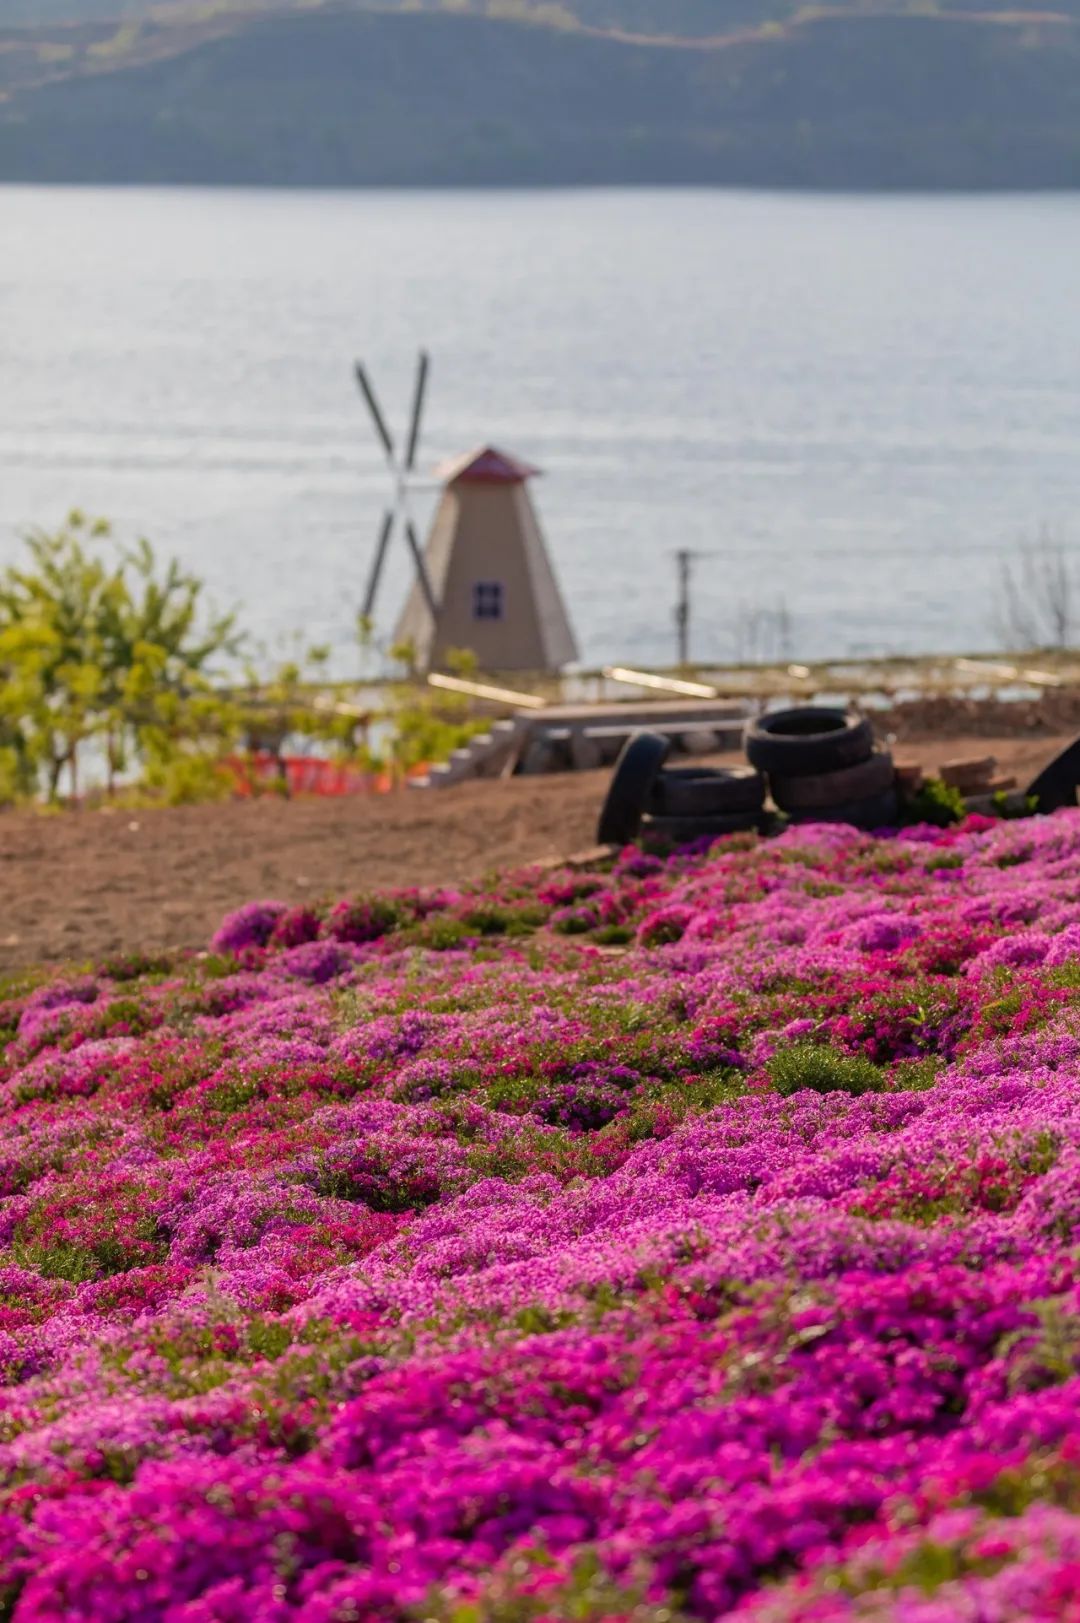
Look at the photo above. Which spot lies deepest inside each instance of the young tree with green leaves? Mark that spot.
(103, 646)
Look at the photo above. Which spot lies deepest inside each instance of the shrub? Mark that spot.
(823, 1070)
(936, 803)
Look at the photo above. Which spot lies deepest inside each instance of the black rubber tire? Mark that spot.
(871, 777)
(635, 772)
(876, 811)
(700, 792)
(1056, 784)
(682, 830)
(809, 741)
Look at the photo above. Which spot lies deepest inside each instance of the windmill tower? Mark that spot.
(494, 588)
(484, 580)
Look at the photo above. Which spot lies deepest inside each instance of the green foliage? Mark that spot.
(573, 924)
(444, 935)
(102, 649)
(461, 662)
(429, 724)
(613, 935)
(937, 803)
(287, 704)
(1012, 807)
(824, 1070)
(916, 1075)
(188, 780)
(110, 669)
(1015, 858)
(424, 732)
(488, 920)
(585, 1594)
(942, 861)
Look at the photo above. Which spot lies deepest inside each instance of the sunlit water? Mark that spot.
(854, 406)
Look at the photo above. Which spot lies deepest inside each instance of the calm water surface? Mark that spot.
(853, 405)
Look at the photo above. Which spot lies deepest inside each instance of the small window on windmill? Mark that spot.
(487, 603)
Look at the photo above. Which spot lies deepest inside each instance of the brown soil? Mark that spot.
(82, 885)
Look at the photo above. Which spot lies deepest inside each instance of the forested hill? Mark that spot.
(564, 92)
(691, 19)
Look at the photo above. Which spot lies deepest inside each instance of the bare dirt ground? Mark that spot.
(82, 885)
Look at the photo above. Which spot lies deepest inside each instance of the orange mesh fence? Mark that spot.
(307, 775)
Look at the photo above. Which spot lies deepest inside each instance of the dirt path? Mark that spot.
(80, 886)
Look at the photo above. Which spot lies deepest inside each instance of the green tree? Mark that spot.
(102, 645)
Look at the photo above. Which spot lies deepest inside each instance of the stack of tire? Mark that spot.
(680, 804)
(686, 803)
(822, 767)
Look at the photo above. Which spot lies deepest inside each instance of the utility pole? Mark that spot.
(683, 558)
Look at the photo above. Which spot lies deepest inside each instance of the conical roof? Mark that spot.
(486, 466)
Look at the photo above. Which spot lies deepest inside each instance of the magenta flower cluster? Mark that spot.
(680, 1240)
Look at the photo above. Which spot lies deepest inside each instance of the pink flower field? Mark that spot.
(690, 1240)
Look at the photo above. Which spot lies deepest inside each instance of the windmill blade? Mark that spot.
(421, 569)
(377, 564)
(418, 407)
(377, 417)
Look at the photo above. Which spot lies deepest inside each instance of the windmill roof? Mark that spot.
(486, 466)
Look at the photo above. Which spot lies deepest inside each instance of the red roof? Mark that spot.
(486, 466)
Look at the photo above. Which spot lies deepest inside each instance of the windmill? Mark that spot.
(484, 580)
(402, 467)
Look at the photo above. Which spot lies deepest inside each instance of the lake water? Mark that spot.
(853, 407)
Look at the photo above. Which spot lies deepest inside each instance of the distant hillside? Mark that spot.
(649, 19)
(341, 95)
(677, 18)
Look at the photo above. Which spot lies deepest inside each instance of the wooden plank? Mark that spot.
(721, 729)
(648, 713)
(481, 690)
(664, 684)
